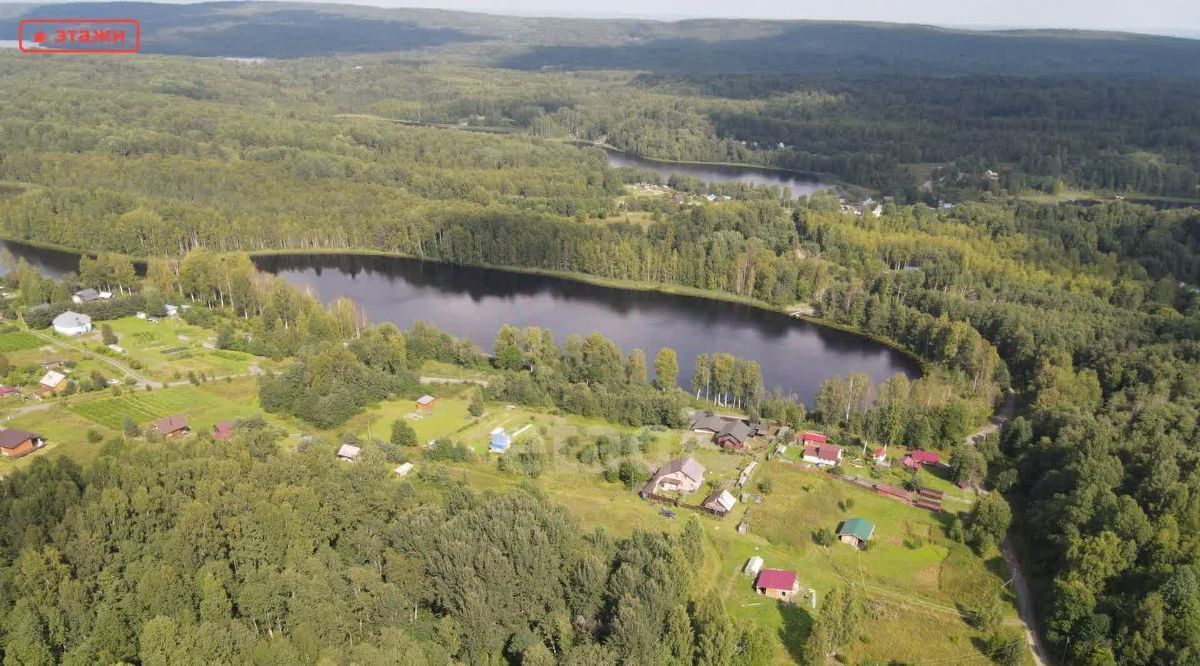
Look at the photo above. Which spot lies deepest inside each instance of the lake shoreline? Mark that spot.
(921, 363)
(619, 284)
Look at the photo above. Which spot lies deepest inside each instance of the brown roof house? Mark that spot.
(172, 427)
(720, 502)
(822, 455)
(15, 442)
(734, 435)
(684, 475)
(425, 402)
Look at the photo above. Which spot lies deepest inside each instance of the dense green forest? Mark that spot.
(1091, 314)
(204, 553)
(916, 138)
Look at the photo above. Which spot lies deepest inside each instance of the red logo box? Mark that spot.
(81, 35)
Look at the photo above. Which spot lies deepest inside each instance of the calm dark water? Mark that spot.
(724, 174)
(52, 263)
(473, 302)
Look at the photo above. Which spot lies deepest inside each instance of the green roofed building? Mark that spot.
(856, 532)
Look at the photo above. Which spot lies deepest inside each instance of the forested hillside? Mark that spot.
(710, 46)
(146, 554)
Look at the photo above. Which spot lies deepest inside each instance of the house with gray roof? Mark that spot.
(734, 435)
(72, 323)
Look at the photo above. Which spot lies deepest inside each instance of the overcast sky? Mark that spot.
(1162, 16)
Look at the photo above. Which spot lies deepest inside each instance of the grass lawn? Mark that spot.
(14, 341)
(203, 408)
(911, 576)
(171, 348)
(448, 416)
(65, 433)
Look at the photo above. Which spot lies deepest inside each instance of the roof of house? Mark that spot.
(71, 319)
(500, 440)
(348, 451)
(688, 466)
(860, 528)
(706, 420)
(88, 294)
(725, 501)
(14, 436)
(926, 457)
(404, 469)
(738, 430)
(823, 451)
(52, 379)
(880, 453)
(426, 400)
(813, 437)
(776, 579)
(5, 390)
(170, 424)
(223, 430)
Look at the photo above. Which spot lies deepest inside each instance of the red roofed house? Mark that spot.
(6, 391)
(880, 455)
(15, 443)
(172, 427)
(822, 455)
(777, 584)
(811, 437)
(926, 458)
(223, 430)
(909, 463)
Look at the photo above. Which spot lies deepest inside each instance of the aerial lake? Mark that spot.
(722, 173)
(795, 355)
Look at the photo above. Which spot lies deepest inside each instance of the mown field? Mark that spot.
(203, 408)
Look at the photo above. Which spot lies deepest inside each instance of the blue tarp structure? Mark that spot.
(500, 441)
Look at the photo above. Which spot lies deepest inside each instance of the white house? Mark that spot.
(403, 470)
(72, 323)
(822, 455)
(349, 452)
